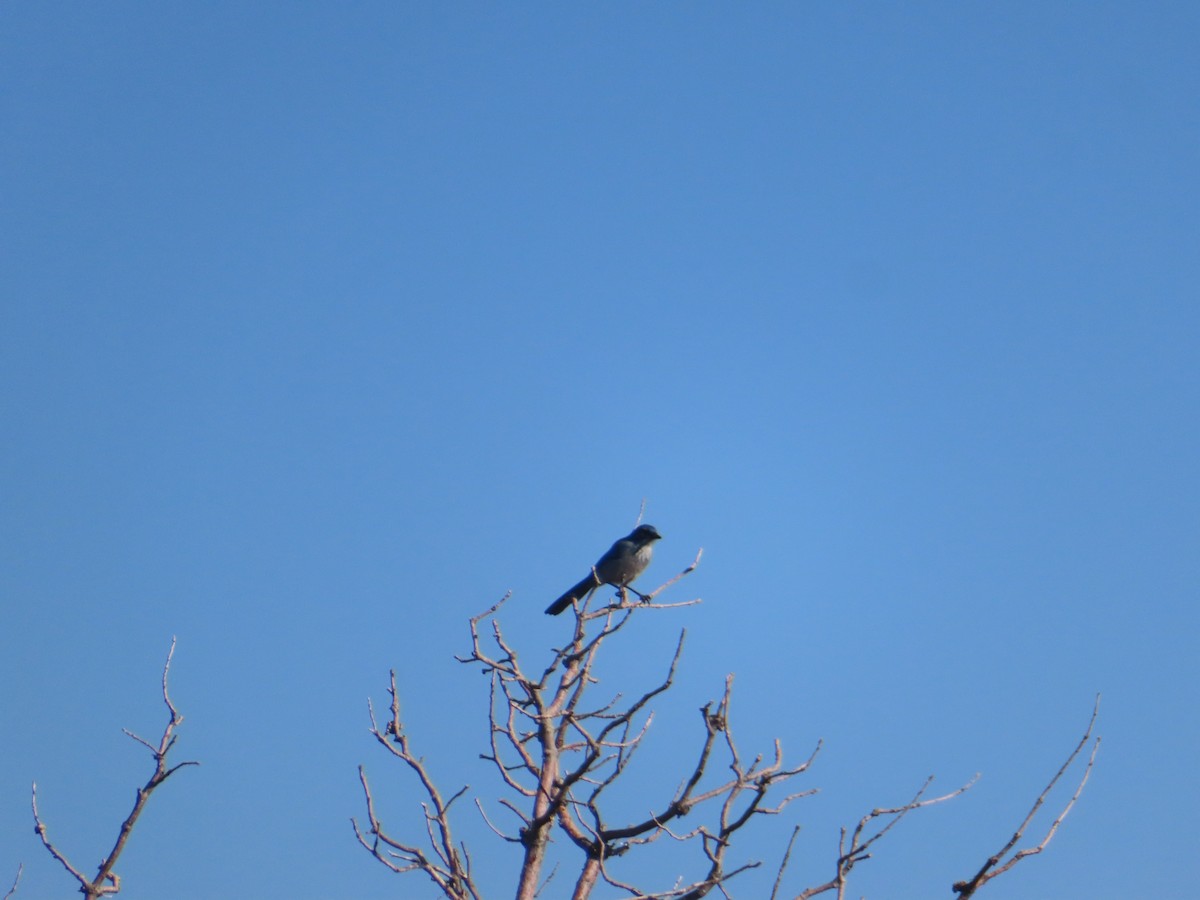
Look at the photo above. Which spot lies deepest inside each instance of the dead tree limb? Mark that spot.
(450, 866)
(738, 799)
(858, 849)
(996, 864)
(106, 880)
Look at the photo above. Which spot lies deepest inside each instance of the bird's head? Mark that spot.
(646, 534)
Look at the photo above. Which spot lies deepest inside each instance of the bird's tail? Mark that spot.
(575, 593)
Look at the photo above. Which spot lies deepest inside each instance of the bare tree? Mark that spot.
(559, 754)
(106, 880)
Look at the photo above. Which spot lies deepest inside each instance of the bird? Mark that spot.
(624, 561)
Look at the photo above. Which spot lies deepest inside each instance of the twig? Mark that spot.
(688, 571)
(17, 880)
(787, 855)
(993, 867)
(495, 830)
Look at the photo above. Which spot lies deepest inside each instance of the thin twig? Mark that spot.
(783, 864)
(39, 829)
(17, 880)
(994, 866)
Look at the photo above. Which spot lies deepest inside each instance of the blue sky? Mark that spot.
(324, 325)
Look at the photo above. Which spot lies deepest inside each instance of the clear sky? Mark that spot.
(322, 325)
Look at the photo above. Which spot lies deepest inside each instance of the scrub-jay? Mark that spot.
(624, 561)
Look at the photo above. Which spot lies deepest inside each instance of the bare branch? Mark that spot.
(995, 866)
(495, 830)
(688, 571)
(450, 871)
(858, 851)
(16, 881)
(106, 881)
(39, 829)
(783, 864)
(741, 798)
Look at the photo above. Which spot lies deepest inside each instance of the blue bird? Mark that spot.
(624, 561)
